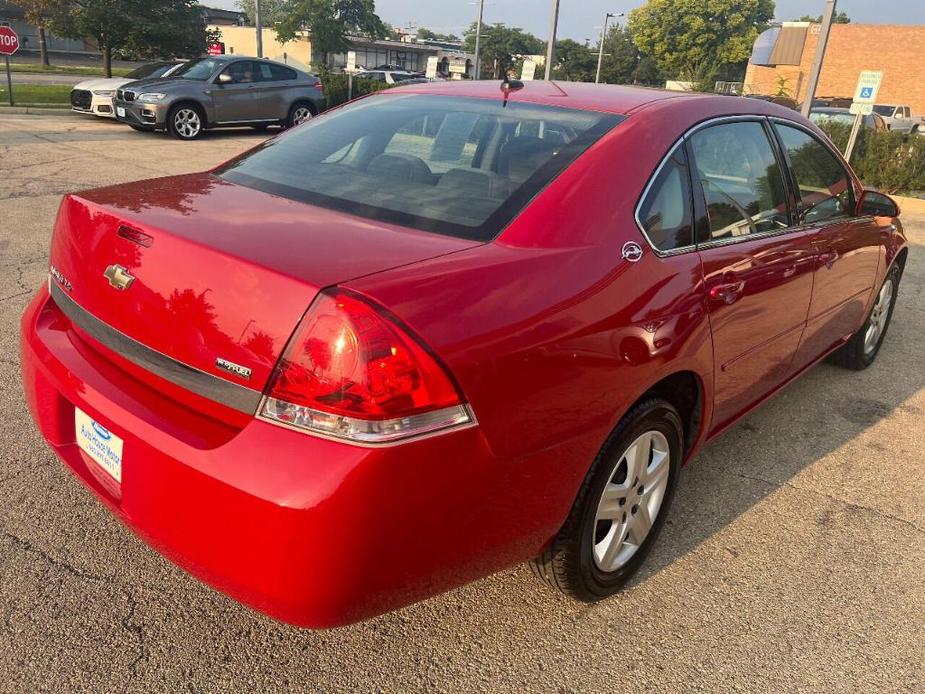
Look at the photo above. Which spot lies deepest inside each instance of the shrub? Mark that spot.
(887, 160)
(335, 87)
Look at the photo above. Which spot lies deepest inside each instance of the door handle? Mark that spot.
(727, 292)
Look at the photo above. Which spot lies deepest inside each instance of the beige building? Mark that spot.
(410, 55)
(783, 57)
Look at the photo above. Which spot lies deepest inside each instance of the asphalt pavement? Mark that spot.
(793, 559)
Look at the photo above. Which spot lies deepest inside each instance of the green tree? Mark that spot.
(700, 40)
(271, 11)
(329, 22)
(839, 18)
(502, 47)
(167, 28)
(575, 62)
(621, 58)
(40, 13)
(426, 34)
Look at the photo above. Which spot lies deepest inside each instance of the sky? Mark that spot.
(581, 19)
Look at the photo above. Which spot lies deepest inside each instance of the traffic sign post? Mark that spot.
(9, 44)
(865, 96)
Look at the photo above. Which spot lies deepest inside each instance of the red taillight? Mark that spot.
(350, 372)
(319, 86)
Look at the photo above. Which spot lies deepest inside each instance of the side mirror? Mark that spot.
(874, 204)
(224, 78)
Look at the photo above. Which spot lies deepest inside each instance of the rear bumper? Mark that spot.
(313, 532)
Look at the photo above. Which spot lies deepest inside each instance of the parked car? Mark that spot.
(221, 91)
(95, 96)
(388, 76)
(444, 329)
(900, 118)
(872, 121)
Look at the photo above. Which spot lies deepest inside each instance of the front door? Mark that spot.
(234, 100)
(758, 270)
(848, 246)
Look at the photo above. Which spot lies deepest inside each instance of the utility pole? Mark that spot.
(478, 39)
(551, 47)
(600, 49)
(259, 28)
(820, 56)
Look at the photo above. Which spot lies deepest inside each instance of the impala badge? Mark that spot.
(632, 252)
(118, 277)
(231, 367)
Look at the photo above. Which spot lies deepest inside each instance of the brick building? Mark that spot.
(788, 51)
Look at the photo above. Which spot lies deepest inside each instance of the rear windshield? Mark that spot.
(455, 166)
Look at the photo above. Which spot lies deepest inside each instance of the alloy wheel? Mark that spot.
(631, 501)
(301, 114)
(879, 315)
(187, 123)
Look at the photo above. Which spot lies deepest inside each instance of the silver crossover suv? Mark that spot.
(220, 91)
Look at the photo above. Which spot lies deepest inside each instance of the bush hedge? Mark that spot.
(887, 160)
(335, 87)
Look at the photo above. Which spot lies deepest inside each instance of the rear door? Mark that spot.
(758, 269)
(234, 101)
(848, 246)
(269, 93)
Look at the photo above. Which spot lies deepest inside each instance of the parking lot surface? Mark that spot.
(793, 558)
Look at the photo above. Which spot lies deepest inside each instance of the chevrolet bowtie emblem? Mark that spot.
(118, 277)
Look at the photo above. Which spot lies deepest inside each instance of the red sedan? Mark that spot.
(445, 329)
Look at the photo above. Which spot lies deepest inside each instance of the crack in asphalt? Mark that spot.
(832, 497)
(132, 627)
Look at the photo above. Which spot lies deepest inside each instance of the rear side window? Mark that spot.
(665, 213)
(279, 73)
(825, 188)
(741, 180)
(455, 166)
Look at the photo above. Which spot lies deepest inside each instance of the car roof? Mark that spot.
(609, 98)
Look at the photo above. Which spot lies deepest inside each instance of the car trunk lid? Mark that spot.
(214, 275)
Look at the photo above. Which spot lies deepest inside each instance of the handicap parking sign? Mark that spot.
(867, 92)
(868, 86)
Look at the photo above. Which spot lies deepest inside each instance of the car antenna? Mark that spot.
(507, 86)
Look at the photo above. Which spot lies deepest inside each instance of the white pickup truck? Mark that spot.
(900, 118)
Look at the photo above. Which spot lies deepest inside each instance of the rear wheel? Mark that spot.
(185, 121)
(620, 508)
(299, 113)
(861, 350)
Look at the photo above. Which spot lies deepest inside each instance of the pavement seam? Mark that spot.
(831, 497)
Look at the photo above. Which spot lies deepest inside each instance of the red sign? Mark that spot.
(217, 48)
(9, 41)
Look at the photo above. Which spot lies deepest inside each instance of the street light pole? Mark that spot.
(478, 38)
(259, 28)
(551, 47)
(600, 48)
(820, 56)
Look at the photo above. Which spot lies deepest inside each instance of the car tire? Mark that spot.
(300, 112)
(580, 561)
(186, 121)
(862, 348)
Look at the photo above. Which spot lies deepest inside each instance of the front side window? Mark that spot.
(742, 184)
(825, 188)
(455, 166)
(665, 212)
(242, 72)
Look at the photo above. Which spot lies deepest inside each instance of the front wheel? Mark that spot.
(620, 508)
(861, 350)
(185, 122)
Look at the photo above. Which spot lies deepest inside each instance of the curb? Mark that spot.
(912, 205)
(38, 110)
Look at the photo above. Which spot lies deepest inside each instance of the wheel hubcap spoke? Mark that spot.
(878, 317)
(631, 500)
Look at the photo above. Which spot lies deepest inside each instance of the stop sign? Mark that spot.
(9, 41)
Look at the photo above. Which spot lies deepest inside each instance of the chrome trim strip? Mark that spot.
(232, 395)
(747, 237)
